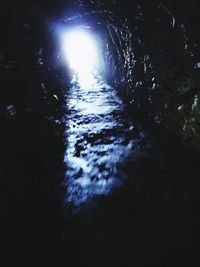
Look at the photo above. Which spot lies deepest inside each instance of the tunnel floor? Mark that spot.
(100, 139)
(132, 188)
(131, 191)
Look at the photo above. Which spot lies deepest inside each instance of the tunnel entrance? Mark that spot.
(81, 50)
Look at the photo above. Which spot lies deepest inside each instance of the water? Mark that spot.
(100, 139)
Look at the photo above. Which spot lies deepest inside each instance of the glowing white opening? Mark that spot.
(80, 50)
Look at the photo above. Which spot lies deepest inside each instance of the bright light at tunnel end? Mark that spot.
(80, 50)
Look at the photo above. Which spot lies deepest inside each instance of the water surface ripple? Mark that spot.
(99, 140)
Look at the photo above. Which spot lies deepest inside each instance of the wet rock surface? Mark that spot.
(100, 138)
(151, 212)
(153, 217)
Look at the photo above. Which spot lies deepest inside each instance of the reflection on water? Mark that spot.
(99, 139)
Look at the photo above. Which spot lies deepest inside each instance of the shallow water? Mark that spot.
(149, 181)
(100, 139)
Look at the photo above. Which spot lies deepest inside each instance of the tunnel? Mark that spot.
(100, 132)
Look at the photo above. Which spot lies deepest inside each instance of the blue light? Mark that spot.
(80, 50)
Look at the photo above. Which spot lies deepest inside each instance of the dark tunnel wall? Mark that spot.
(32, 142)
(168, 66)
